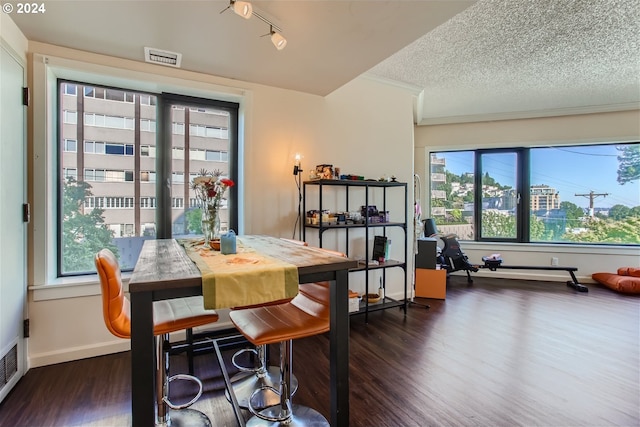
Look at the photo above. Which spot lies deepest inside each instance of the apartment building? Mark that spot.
(108, 140)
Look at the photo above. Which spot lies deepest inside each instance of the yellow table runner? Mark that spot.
(245, 278)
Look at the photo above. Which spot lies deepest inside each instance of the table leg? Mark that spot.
(142, 360)
(339, 350)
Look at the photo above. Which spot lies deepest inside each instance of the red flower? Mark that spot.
(211, 192)
(227, 182)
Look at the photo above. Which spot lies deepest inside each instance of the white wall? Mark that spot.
(353, 128)
(623, 126)
(12, 37)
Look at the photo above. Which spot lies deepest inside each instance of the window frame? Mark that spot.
(523, 187)
(158, 201)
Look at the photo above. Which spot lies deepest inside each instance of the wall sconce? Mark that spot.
(297, 168)
(245, 9)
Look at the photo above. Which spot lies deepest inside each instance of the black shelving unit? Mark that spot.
(368, 187)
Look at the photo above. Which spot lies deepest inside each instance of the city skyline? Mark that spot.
(571, 170)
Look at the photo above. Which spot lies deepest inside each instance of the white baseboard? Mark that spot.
(109, 347)
(77, 353)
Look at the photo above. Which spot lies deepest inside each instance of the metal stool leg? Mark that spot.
(285, 413)
(180, 415)
(246, 382)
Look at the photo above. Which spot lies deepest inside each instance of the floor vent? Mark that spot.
(162, 57)
(9, 366)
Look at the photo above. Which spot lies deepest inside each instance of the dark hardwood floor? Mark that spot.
(497, 353)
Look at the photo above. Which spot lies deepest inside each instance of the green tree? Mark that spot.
(573, 214)
(626, 231)
(619, 212)
(537, 230)
(495, 224)
(629, 163)
(194, 221)
(83, 235)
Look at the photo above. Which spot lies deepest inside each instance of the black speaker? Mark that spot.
(426, 256)
(430, 227)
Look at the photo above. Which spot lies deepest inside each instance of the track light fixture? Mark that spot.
(245, 9)
(277, 39)
(242, 8)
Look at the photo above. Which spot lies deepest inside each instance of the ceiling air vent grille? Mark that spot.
(162, 57)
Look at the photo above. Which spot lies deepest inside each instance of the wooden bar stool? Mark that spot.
(302, 317)
(168, 316)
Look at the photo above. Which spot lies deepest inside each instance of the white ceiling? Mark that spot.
(464, 61)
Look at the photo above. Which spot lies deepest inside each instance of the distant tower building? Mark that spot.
(438, 177)
(544, 198)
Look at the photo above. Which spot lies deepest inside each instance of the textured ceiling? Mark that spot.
(330, 42)
(465, 60)
(525, 58)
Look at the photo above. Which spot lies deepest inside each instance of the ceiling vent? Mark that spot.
(162, 57)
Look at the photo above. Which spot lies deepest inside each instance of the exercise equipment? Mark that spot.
(451, 258)
(495, 263)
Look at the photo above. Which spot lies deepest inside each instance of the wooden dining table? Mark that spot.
(164, 271)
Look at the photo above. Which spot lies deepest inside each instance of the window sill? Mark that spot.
(72, 287)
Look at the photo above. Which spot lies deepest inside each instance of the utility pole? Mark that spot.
(592, 196)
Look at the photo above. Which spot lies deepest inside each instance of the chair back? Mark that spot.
(115, 307)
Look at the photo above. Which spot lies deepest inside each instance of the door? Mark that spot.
(12, 227)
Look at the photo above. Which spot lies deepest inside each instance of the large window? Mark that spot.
(587, 194)
(122, 137)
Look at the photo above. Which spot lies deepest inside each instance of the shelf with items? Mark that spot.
(379, 224)
(367, 220)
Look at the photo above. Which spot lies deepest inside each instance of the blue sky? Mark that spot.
(570, 170)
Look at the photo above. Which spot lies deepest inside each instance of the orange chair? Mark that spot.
(261, 375)
(168, 316)
(301, 317)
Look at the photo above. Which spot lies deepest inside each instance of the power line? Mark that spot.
(592, 196)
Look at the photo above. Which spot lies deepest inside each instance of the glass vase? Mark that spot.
(210, 223)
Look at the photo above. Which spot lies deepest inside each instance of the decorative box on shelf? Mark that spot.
(354, 301)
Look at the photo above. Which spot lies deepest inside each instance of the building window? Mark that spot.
(105, 121)
(147, 125)
(147, 100)
(177, 128)
(70, 145)
(70, 173)
(148, 176)
(177, 177)
(178, 153)
(147, 202)
(147, 151)
(208, 131)
(216, 156)
(70, 89)
(545, 194)
(108, 94)
(70, 117)
(119, 202)
(94, 147)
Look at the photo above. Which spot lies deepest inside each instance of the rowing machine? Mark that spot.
(493, 263)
